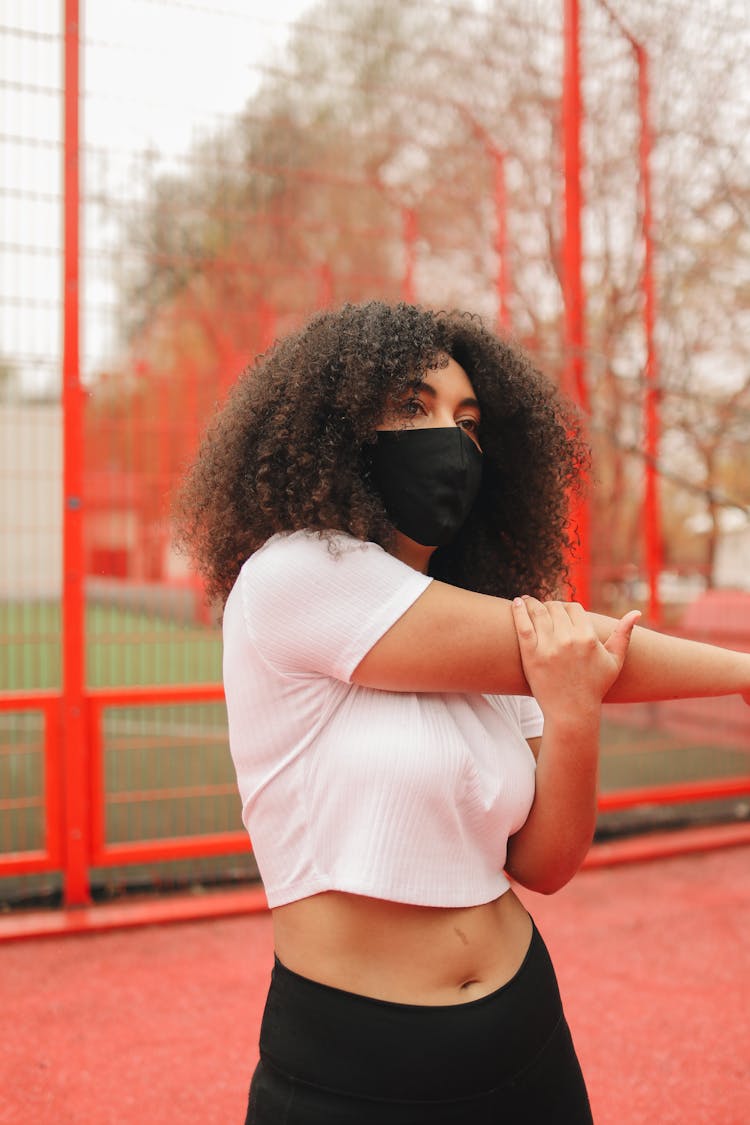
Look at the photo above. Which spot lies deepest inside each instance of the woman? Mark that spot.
(407, 730)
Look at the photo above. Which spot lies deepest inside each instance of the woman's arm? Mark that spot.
(550, 847)
(570, 671)
(455, 640)
(662, 667)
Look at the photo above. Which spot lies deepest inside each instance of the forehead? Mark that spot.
(449, 379)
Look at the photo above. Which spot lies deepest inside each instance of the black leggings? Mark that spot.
(329, 1057)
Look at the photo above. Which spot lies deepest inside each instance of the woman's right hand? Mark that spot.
(568, 668)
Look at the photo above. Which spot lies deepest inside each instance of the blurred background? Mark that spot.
(183, 182)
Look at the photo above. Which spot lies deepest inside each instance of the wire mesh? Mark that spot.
(167, 772)
(22, 777)
(242, 168)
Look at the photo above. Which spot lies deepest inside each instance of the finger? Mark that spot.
(618, 640)
(540, 616)
(576, 613)
(582, 624)
(524, 625)
(560, 618)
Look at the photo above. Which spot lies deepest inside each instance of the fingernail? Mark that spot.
(518, 602)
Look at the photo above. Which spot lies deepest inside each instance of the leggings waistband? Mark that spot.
(354, 1044)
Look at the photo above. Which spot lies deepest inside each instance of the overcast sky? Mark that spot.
(157, 75)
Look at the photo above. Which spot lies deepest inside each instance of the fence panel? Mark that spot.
(30, 836)
(236, 170)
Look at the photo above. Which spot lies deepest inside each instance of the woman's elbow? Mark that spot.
(543, 879)
(542, 885)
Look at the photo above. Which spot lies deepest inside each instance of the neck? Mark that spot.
(413, 554)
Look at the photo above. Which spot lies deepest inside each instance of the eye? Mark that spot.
(471, 425)
(412, 407)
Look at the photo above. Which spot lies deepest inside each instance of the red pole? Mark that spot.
(502, 284)
(74, 750)
(409, 228)
(573, 296)
(652, 513)
(654, 550)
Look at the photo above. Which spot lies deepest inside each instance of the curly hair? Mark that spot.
(285, 452)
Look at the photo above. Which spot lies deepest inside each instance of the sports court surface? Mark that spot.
(159, 1024)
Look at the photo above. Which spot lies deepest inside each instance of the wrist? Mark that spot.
(573, 722)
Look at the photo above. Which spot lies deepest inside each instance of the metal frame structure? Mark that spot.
(74, 743)
(574, 296)
(574, 382)
(74, 791)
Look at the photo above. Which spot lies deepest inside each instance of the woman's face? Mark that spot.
(444, 397)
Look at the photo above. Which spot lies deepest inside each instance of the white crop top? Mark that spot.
(401, 796)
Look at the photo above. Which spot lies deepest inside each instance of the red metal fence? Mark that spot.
(393, 152)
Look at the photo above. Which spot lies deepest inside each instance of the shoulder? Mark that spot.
(319, 601)
(308, 542)
(309, 572)
(305, 554)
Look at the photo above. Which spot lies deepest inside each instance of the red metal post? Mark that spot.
(652, 513)
(74, 761)
(654, 550)
(573, 297)
(409, 229)
(52, 782)
(97, 787)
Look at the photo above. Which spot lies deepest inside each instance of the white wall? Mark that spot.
(732, 564)
(30, 500)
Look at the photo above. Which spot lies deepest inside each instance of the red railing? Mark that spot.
(105, 854)
(85, 793)
(86, 790)
(73, 809)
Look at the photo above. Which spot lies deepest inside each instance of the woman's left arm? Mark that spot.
(659, 666)
(569, 670)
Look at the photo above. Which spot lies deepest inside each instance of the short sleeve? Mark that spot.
(530, 716)
(522, 710)
(317, 604)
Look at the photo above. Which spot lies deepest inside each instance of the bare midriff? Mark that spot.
(402, 953)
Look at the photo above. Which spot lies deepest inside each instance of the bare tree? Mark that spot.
(370, 150)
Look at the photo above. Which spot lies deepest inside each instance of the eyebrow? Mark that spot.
(420, 385)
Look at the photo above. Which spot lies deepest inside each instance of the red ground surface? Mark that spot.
(159, 1024)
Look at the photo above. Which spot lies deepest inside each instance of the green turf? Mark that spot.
(124, 647)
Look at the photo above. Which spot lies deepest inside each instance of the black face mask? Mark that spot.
(428, 480)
